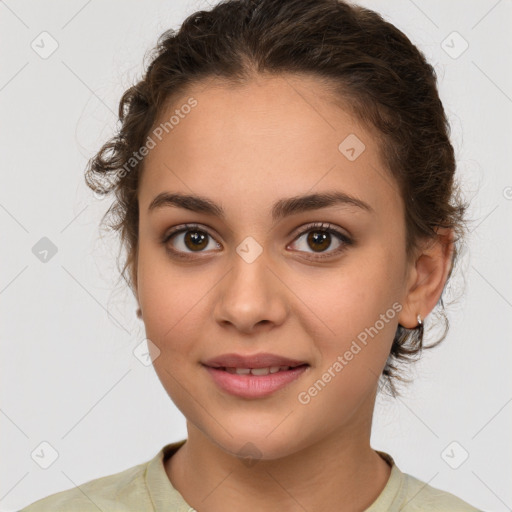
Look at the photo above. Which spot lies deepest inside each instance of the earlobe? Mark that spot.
(428, 277)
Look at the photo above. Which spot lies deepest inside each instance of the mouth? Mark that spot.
(255, 383)
(258, 371)
(257, 364)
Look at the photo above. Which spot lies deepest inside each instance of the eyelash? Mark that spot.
(316, 226)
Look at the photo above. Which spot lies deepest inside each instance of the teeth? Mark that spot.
(257, 371)
(260, 371)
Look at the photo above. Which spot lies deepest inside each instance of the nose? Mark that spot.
(251, 297)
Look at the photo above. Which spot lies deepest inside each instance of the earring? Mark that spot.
(139, 313)
(420, 321)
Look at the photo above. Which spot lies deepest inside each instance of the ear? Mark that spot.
(132, 269)
(428, 273)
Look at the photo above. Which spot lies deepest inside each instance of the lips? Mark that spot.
(264, 360)
(251, 386)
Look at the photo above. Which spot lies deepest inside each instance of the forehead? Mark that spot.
(257, 142)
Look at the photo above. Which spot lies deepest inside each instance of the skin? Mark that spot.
(244, 148)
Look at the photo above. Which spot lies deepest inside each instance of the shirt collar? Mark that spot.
(164, 496)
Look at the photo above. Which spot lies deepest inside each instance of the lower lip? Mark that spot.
(254, 386)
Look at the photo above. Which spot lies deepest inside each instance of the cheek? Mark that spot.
(361, 312)
(174, 305)
(170, 298)
(359, 305)
(355, 295)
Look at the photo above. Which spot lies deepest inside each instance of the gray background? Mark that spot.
(68, 328)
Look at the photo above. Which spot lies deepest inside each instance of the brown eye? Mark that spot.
(318, 238)
(188, 240)
(195, 240)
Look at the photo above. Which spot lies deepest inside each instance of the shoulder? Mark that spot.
(406, 493)
(421, 497)
(120, 492)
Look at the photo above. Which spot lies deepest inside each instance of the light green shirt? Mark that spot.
(147, 488)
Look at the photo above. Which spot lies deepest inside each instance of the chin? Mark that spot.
(254, 443)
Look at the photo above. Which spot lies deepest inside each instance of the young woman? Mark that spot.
(284, 185)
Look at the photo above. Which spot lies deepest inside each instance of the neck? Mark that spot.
(338, 472)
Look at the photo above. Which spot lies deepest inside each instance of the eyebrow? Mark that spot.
(281, 208)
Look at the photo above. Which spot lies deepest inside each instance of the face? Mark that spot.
(317, 282)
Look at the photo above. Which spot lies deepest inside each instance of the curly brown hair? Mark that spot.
(370, 66)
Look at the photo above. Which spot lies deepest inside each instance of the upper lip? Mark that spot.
(253, 361)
